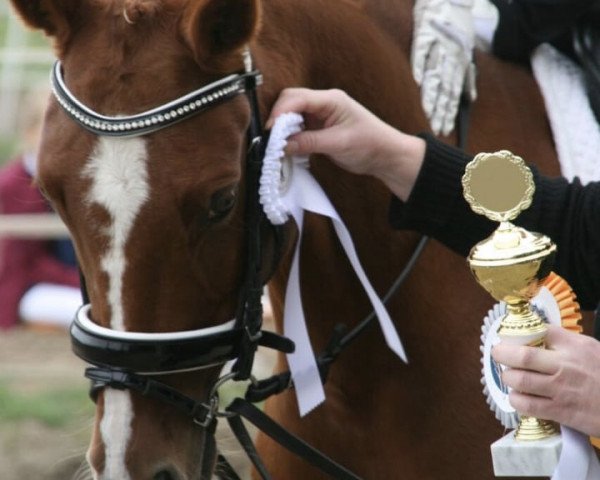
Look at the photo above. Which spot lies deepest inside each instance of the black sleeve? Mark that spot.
(525, 24)
(569, 213)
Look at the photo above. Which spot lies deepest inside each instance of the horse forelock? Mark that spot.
(136, 10)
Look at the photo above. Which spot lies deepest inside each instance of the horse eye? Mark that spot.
(221, 204)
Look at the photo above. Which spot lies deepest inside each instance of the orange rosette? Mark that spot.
(570, 313)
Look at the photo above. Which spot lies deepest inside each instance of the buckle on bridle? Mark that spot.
(208, 412)
(254, 143)
(211, 407)
(253, 337)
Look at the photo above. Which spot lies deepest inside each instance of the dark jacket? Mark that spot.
(524, 24)
(567, 212)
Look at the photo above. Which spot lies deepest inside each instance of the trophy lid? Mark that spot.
(513, 245)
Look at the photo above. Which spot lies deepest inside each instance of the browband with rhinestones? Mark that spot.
(157, 118)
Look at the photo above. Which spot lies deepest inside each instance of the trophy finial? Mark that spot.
(498, 185)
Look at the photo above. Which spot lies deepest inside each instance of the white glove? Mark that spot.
(442, 58)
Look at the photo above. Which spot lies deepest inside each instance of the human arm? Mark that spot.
(565, 211)
(425, 174)
(354, 138)
(559, 383)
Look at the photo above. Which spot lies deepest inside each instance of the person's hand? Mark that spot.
(559, 383)
(354, 138)
(442, 58)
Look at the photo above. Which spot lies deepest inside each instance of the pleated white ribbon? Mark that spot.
(292, 192)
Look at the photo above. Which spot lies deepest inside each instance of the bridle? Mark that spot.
(126, 360)
(159, 353)
(129, 360)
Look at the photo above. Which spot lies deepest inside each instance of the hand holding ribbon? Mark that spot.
(300, 192)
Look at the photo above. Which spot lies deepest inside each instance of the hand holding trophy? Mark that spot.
(511, 265)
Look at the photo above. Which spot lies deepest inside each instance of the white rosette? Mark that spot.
(287, 188)
(556, 304)
(495, 391)
(277, 168)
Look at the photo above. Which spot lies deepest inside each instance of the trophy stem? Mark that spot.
(522, 324)
(531, 428)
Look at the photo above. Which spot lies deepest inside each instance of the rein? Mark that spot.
(127, 360)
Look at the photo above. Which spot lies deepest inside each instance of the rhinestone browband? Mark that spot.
(157, 118)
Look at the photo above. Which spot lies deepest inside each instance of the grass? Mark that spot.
(8, 148)
(59, 407)
(53, 407)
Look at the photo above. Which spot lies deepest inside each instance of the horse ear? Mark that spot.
(51, 16)
(217, 27)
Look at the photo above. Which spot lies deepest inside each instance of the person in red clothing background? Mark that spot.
(38, 281)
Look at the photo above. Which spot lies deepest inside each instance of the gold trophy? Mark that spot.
(511, 265)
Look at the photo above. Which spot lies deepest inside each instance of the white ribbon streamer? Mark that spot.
(299, 192)
(578, 460)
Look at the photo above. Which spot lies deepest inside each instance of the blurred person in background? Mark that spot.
(39, 280)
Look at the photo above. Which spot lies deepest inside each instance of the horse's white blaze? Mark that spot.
(116, 431)
(119, 177)
(117, 169)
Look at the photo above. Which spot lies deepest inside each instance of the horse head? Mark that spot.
(149, 155)
(158, 218)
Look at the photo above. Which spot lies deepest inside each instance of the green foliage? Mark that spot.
(34, 38)
(8, 148)
(53, 407)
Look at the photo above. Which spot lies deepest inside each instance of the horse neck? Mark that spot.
(353, 52)
(356, 50)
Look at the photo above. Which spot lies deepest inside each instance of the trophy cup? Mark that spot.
(511, 265)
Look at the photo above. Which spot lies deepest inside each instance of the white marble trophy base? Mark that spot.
(513, 458)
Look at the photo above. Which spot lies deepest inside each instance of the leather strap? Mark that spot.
(288, 440)
(245, 440)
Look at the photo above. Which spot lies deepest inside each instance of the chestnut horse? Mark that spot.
(158, 224)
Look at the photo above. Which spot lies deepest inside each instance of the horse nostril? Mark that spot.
(166, 475)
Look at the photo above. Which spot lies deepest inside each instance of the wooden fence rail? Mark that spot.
(33, 226)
